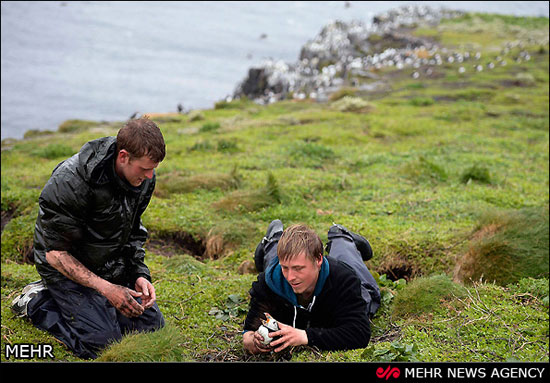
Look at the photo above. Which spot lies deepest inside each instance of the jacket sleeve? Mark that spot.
(257, 306)
(62, 205)
(137, 238)
(262, 300)
(349, 327)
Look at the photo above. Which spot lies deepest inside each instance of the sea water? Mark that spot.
(109, 60)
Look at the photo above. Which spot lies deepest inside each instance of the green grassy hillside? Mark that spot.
(445, 174)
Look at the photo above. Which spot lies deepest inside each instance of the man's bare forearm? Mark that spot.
(73, 269)
(122, 298)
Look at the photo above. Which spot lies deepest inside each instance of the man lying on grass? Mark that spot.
(324, 302)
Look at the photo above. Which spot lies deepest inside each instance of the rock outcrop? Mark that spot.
(343, 52)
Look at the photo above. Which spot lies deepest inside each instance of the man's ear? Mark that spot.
(320, 261)
(123, 156)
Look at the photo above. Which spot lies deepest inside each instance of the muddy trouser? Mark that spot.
(85, 320)
(343, 249)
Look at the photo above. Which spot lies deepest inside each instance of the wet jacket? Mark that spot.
(336, 318)
(87, 210)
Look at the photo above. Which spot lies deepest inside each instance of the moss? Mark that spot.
(424, 296)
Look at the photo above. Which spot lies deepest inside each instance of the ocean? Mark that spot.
(106, 60)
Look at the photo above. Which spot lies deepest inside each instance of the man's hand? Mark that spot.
(122, 298)
(252, 342)
(289, 336)
(148, 290)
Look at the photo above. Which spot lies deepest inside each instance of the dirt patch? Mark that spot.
(444, 98)
(7, 215)
(28, 254)
(392, 333)
(214, 246)
(517, 83)
(468, 265)
(398, 267)
(486, 231)
(170, 244)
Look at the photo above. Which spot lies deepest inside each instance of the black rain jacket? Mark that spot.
(336, 319)
(87, 210)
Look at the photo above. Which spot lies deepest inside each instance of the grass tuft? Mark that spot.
(424, 295)
(478, 173)
(164, 345)
(507, 246)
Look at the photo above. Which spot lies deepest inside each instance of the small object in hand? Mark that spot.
(268, 326)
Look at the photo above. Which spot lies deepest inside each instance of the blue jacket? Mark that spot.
(336, 318)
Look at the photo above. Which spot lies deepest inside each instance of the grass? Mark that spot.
(446, 175)
(424, 296)
(507, 246)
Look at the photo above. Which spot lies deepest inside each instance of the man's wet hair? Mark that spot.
(142, 137)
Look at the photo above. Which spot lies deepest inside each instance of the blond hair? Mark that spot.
(299, 238)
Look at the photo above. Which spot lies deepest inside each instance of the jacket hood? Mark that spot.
(97, 163)
(96, 158)
(277, 282)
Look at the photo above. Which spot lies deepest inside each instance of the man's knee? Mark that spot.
(98, 339)
(153, 319)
